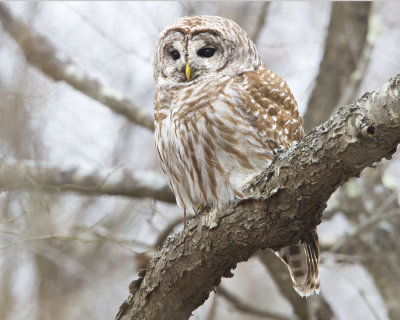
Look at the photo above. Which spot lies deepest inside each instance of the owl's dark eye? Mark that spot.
(175, 54)
(206, 52)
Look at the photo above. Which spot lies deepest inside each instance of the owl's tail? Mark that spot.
(302, 261)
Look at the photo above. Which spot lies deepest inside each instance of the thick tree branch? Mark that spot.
(44, 56)
(282, 204)
(138, 184)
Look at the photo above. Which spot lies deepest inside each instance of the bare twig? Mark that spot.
(372, 242)
(44, 56)
(213, 308)
(137, 184)
(260, 22)
(124, 243)
(167, 231)
(364, 227)
(246, 308)
(109, 38)
(281, 277)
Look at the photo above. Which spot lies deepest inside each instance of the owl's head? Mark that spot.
(191, 49)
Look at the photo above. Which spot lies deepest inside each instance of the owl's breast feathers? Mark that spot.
(214, 136)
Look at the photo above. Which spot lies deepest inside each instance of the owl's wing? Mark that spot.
(272, 107)
(269, 106)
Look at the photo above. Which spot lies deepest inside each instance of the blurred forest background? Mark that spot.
(83, 201)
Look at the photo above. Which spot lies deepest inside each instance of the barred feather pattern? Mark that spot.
(302, 260)
(218, 130)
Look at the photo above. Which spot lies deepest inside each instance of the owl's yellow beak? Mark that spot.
(188, 71)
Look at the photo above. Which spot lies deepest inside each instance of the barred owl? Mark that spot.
(220, 118)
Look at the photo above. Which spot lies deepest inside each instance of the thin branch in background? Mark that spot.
(142, 259)
(392, 199)
(280, 275)
(380, 244)
(44, 56)
(361, 292)
(364, 227)
(123, 243)
(151, 21)
(16, 174)
(66, 262)
(212, 311)
(339, 258)
(330, 213)
(260, 23)
(167, 231)
(370, 307)
(110, 39)
(246, 308)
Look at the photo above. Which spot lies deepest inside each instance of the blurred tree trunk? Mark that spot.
(345, 41)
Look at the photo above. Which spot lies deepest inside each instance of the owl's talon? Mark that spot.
(199, 209)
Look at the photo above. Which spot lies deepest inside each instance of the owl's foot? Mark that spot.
(199, 209)
(202, 207)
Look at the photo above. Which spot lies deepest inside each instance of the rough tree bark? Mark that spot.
(282, 204)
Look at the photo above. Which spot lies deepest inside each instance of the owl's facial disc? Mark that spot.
(190, 57)
(213, 46)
